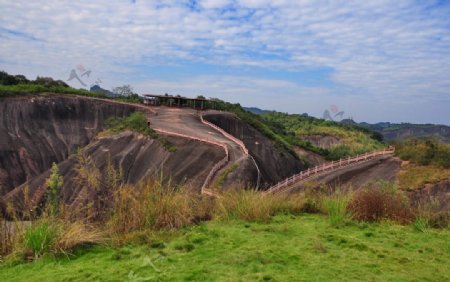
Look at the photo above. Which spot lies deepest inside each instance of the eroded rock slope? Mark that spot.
(274, 163)
(37, 130)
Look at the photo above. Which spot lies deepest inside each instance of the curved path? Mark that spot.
(294, 180)
(189, 123)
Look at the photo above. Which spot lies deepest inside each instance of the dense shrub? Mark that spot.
(134, 122)
(137, 122)
(424, 152)
(7, 79)
(374, 204)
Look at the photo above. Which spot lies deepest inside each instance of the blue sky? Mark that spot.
(375, 60)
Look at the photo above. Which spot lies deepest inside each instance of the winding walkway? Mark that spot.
(188, 123)
(303, 176)
(185, 123)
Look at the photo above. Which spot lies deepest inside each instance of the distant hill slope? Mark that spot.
(389, 131)
(107, 93)
(326, 139)
(400, 131)
(255, 110)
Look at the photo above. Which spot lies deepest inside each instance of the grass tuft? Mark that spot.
(39, 238)
(336, 208)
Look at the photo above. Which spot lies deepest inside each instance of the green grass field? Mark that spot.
(288, 248)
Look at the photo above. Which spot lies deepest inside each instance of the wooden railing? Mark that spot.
(239, 142)
(329, 166)
(218, 166)
(226, 134)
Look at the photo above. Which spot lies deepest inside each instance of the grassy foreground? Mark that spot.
(288, 248)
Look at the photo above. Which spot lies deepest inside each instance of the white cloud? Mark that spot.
(214, 4)
(379, 50)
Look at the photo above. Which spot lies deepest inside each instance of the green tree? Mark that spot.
(55, 182)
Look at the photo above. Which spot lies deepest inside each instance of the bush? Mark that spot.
(374, 204)
(54, 183)
(135, 122)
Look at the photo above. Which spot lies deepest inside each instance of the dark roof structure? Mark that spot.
(177, 101)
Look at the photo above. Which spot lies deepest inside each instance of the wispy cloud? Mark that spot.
(378, 51)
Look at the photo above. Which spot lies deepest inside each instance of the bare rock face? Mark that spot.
(138, 157)
(361, 175)
(274, 164)
(36, 131)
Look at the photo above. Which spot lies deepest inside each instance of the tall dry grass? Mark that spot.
(158, 205)
(155, 205)
(252, 205)
(30, 240)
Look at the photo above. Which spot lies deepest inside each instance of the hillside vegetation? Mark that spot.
(424, 152)
(294, 128)
(289, 130)
(429, 162)
(15, 85)
(12, 85)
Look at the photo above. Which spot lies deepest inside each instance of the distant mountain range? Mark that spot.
(399, 131)
(392, 131)
(255, 110)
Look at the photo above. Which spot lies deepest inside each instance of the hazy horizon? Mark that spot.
(375, 60)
